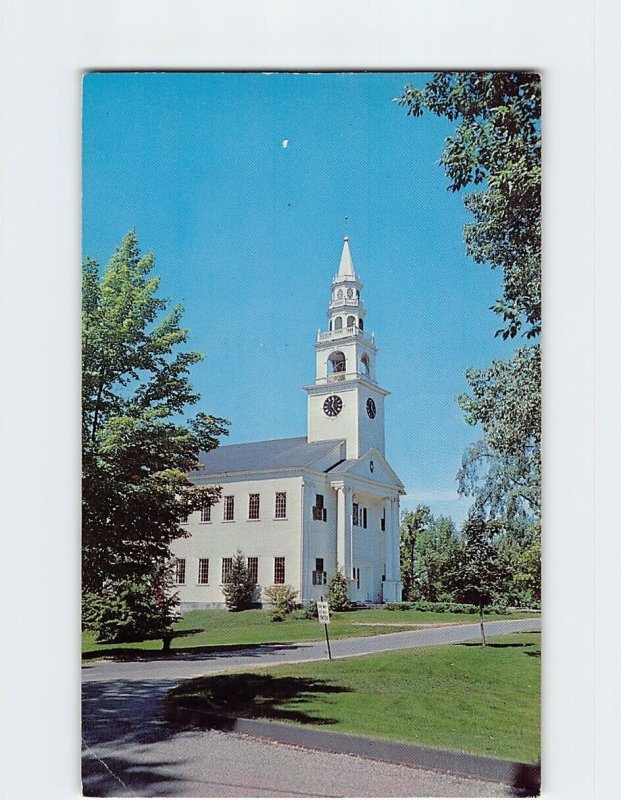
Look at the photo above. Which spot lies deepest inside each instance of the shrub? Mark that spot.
(338, 592)
(282, 600)
(310, 610)
(132, 609)
(239, 590)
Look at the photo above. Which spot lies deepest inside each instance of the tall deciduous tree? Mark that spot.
(413, 523)
(136, 452)
(496, 150)
(479, 571)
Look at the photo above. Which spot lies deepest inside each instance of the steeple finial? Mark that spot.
(346, 267)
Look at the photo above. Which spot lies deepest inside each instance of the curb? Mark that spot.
(525, 778)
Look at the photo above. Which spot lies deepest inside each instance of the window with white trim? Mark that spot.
(183, 519)
(253, 506)
(227, 567)
(279, 569)
(253, 569)
(180, 570)
(206, 514)
(354, 513)
(203, 570)
(229, 508)
(280, 505)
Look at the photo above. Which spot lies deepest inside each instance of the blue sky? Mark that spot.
(247, 235)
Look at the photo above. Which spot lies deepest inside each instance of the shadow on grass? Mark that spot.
(498, 645)
(198, 652)
(256, 696)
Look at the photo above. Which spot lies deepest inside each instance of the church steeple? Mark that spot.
(346, 267)
(346, 401)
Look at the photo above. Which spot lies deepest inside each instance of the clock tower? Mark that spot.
(346, 402)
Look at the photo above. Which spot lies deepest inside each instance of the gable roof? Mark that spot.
(381, 471)
(272, 454)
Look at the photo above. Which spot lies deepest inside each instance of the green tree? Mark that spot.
(496, 150)
(502, 472)
(413, 523)
(239, 588)
(136, 453)
(433, 555)
(496, 146)
(337, 593)
(479, 572)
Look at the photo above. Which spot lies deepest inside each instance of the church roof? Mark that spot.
(254, 456)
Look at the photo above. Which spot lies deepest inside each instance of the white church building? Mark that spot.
(299, 508)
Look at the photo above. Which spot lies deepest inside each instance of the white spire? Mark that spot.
(346, 267)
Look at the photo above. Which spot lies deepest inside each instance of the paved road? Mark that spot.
(131, 750)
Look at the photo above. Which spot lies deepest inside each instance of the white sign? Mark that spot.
(323, 612)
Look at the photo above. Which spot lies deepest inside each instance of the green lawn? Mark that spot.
(465, 697)
(214, 628)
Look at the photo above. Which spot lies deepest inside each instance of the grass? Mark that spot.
(483, 700)
(214, 628)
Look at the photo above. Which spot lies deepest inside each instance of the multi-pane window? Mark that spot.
(320, 513)
(279, 569)
(253, 569)
(183, 518)
(364, 517)
(280, 508)
(253, 506)
(229, 508)
(354, 514)
(203, 570)
(356, 576)
(383, 521)
(319, 576)
(180, 570)
(227, 566)
(206, 514)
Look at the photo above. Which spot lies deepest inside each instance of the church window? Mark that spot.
(253, 569)
(338, 324)
(330, 324)
(356, 576)
(354, 514)
(280, 506)
(227, 566)
(203, 570)
(351, 322)
(337, 361)
(364, 517)
(361, 324)
(383, 521)
(253, 506)
(365, 365)
(206, 514)
(183, 519)
(229, 508)
(279, 569)
(319, 575)
(320, 514)
(180, 570)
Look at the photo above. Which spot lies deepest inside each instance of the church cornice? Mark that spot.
(345, 385)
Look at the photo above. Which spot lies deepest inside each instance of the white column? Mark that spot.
(343, 527)
(392, 585)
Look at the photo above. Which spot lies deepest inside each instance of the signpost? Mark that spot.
(323, 614)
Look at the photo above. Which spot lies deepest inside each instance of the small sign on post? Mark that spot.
(323, 614)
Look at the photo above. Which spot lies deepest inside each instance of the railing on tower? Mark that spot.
(352, 330)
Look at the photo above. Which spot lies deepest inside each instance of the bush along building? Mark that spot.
(301, 508)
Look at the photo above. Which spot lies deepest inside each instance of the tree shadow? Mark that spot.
(497, 644)
(256, 697)
(197, 652)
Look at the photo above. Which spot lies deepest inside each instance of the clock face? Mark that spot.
(371, 410)
(350, 293)
(332, 405)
